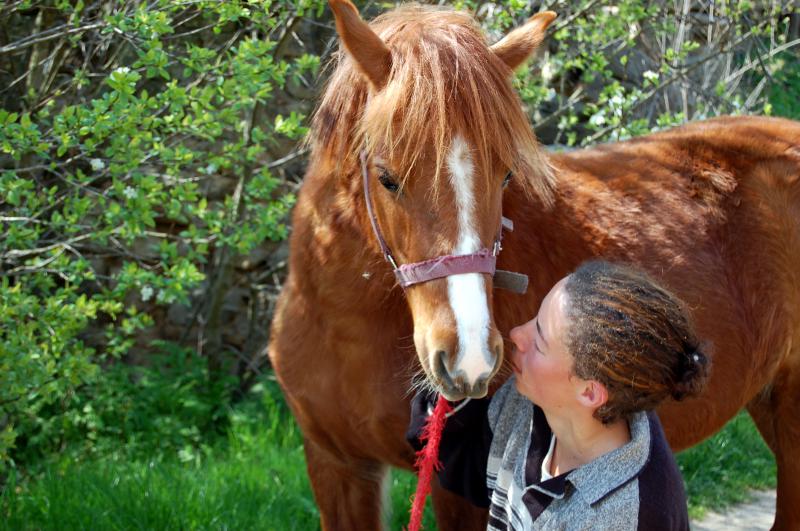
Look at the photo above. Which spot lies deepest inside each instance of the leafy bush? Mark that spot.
(137, 155)
(168, 407)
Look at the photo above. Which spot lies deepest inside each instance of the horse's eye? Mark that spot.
(507, 179)
(387, 181)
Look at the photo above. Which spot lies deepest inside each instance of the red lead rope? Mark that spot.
(428, 460)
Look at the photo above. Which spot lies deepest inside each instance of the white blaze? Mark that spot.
(467, 292)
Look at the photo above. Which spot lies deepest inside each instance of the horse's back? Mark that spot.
(730, 145)
(714, 176)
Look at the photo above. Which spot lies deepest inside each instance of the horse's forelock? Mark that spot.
(444, 81)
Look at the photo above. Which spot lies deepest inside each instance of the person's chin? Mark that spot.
(524, 391)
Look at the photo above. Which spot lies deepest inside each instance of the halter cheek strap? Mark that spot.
(372, 218)
(482, 261)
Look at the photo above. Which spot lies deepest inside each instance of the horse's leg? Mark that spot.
(776, 412)
(760, 410)
(454, 513)
(348, 493)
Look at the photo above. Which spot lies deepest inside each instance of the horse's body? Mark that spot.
(712, 209)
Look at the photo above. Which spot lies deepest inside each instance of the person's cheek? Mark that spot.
(534, 370)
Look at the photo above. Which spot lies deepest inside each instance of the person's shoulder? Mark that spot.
(662, 498)
(618, 510)
(661, 460)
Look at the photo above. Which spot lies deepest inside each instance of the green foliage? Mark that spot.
(135, 166)
(784, 94)
(169, 407)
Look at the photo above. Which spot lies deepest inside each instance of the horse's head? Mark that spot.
(431, 106)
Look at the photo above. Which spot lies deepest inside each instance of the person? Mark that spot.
(571, 440)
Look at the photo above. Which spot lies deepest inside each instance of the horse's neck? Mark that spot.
(548, 241)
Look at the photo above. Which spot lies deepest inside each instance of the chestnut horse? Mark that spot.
(712, 209)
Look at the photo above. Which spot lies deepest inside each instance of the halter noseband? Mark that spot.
(482, 261)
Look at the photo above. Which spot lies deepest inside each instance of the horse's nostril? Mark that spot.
(440, 368)
(460, 383)
(480, 387)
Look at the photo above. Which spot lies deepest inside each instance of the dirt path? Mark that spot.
(755, 515)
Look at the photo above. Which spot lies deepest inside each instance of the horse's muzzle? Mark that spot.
(455, 385)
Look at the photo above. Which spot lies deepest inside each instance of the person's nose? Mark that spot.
(520, 338)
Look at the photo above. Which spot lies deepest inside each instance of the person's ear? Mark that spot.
(592, 394)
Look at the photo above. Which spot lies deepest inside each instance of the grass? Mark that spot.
(723, 469)
(255, 493)
(255, 479)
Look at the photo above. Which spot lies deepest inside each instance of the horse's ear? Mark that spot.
(373, 58)
(518, 45)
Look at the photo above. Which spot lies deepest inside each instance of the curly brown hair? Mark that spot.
(633, 336)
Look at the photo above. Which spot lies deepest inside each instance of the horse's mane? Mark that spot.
(443, 79)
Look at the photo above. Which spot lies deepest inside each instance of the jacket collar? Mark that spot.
(607, 473)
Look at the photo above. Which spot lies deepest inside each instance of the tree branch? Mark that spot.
(48, 35)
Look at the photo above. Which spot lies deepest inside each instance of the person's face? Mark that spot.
(542, 363)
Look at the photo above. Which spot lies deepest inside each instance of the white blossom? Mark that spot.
(146, 293)
(597, 119)
(129, 192)
(649, 75)
(548, 71)
(97, 164)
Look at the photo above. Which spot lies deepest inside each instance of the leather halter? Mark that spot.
(482, 261)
